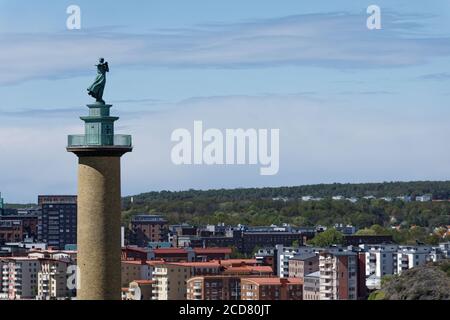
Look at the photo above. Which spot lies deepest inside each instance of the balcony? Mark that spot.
(81, 141)
(327, 291)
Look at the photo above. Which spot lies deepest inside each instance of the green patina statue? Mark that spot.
(97, 88)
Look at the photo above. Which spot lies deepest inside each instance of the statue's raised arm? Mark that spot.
(97, 88)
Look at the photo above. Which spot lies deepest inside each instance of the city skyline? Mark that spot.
(352, 104)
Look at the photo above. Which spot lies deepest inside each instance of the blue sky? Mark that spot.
(352, 105)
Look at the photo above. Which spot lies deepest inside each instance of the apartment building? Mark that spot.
(271, 289)
(302, 264)
(148, 228)
(283, 254)
(135, 270)
(20, 277)
(170, 281)
(311, 286)
(381, 260)
(217, 287)
(11, 231)
(412, 256)
(338, 275)
(53, 280)
(57, 224)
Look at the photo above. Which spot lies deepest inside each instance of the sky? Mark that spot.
(352, 104)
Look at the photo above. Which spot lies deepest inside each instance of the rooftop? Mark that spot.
(273, 281)
(303, 256)
(212, 250)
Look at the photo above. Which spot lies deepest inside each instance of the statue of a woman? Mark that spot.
(97, 88)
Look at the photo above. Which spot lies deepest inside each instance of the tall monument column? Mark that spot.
(99, 152)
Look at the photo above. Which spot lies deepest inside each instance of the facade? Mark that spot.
(271, 289)
(410, 257)
(247, 240)
(19, 278)
(135, 270)
(53, 280)
(58, 220)
(29, 219)
(311, 286)
(214, 288)
(284, 254)
(11, 231)
(303, 264)
(338, 276)
(170, 281)
(381, 260)
(148, 228)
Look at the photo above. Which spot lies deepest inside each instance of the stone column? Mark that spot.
(98, 233)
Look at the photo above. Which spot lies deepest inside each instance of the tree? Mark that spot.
(366, 232)
(327, 238)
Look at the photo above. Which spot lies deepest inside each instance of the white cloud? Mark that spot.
(334, 40)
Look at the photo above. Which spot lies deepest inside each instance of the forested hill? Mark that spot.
(439, 189)
(257, 207)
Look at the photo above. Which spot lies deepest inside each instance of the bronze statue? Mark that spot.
(97, 88)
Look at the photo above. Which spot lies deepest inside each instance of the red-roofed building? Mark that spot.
(271, 289)
(249, 270)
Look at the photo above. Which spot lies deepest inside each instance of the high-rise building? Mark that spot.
(57, 222)
(338, 275)
(52, 280)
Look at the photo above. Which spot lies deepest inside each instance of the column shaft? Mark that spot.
(98, 233)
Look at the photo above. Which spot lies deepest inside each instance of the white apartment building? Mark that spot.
(410, 257)
(19, 278)
(52, 280)
(381, 260)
